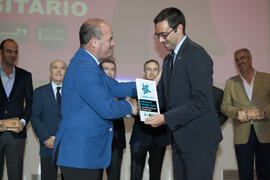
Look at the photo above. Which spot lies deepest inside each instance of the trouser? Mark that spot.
(245, 158)
(114, 169)
(138, 155)
(13, 149)
(81, 174)
(198, 165)
(48, 169)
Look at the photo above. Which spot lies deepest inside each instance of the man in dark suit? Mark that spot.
(84, 137)
(145, 138)
(46, 115)
(217, 97)
(16, 92)
(119, 137)
(185, 92)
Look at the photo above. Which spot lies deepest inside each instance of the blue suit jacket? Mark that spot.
(188, 101)
(85, 132)
(45, 116)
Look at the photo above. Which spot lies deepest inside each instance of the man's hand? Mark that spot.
(262, 114)
(21, 126)
(49, 143)
(243, 116)
(134, 104)
(155, 121)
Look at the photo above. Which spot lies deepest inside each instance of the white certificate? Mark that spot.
(147, 98)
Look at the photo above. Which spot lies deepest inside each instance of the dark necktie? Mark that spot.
(172, 54)
(171, 57)
(58, 98)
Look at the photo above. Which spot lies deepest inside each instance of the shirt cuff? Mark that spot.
(23, 121)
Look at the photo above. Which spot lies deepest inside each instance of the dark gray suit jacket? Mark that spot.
(217, 97)
(45, 116)
(144, 135)
(188, 101)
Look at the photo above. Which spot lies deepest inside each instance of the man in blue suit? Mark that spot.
(185, 93)
(46, 116)
(84, 137)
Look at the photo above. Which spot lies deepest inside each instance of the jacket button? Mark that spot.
(110, 129)
(6, 112)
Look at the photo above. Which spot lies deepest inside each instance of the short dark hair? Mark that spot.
(3, 42)
(107, 60)
(90, 30)
(174, 17)
(245, 50)
(149, 61)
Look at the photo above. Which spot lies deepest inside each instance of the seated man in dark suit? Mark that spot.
(145, 138)
(46, 115)
(119, 138)
(217, 97)
(16, 92)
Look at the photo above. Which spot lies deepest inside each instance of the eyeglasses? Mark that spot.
(164, 35)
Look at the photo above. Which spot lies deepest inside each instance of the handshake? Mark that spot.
(134, 104)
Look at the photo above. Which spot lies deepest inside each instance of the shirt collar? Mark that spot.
(54, 86)
(243, 79)
(4, 74)
(92, 56)
(176, 49)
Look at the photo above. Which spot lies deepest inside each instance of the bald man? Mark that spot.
(46, 116)
(84, 138)
(16, 92)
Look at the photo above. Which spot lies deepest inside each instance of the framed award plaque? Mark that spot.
(147, 98)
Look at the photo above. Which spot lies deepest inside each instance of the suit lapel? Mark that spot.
(241, 87)
(166, 74)
(257, 82)
(16, 82)
(177, 64)
(167, 67)
(51, 96)
(183, 47)
(2, 90)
